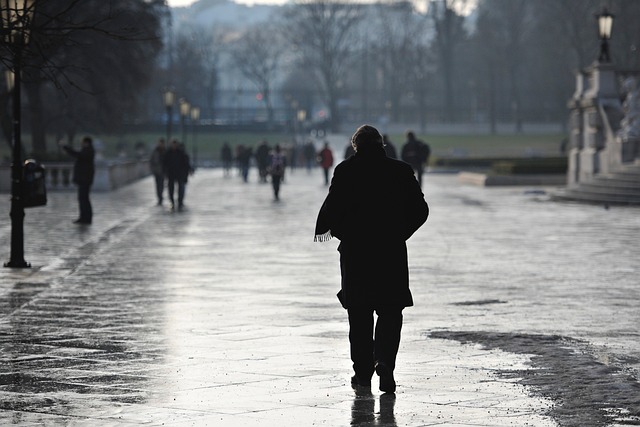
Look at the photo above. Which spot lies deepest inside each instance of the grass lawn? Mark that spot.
(208, 144)
(490, 145)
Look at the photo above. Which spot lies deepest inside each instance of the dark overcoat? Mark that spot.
(374, 205)
(83, 168)
(177, 165)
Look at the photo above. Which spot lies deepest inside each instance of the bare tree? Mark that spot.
(450, 32)
(515, 16)
(257, 55)
(399, 46)
(322, 33)
(490, 59)
(577, 33)
(97, 53)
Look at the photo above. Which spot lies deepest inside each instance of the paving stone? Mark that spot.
(225, 314)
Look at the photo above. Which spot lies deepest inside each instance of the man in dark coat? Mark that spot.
(177, 168)
(262, 160)
(83, 173)
(374, 205)
(156, 165)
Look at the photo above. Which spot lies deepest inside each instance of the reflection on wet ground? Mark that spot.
(588, 391)
(225, 314)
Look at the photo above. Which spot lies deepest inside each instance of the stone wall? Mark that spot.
(596, 114)
(109, 175)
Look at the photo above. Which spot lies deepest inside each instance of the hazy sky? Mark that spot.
(178, 3)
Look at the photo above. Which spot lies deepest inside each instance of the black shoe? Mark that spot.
(359, 383)
(82, 221)
(387, 382)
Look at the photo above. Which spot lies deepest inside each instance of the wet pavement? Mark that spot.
(225, 314)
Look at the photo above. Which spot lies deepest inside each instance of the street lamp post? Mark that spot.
(169, 98)
(294, 118)
(16, 22)
(605, 24)
(184, 113)
(195, 117)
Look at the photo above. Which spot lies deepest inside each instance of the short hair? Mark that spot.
(366, 136)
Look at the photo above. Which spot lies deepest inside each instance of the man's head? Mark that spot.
(366, 137)
(411, 136)
(87, 141)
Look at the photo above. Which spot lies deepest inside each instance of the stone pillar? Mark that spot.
(596, 93)
(575, 130)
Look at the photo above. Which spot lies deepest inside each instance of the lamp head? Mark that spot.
(605, 24)
(16, 20)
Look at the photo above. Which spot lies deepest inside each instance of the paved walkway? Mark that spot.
(225, 314)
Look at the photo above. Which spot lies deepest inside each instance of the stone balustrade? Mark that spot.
(110, 174)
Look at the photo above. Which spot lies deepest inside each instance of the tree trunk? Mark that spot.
(5, 117)
(36, 117)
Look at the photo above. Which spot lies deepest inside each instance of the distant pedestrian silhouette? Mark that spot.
(349, 151)
(389, 148)
(309, 152)
(374, 205)
(177, 167)
(262, 160)
(416, 153)
(227, 158)
(277, 166)
(243, 157)
(156, 165)
(83, 174)
(325, 158)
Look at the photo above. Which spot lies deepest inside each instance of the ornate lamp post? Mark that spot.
(184, 113)
(169, 98)
(195, 117)
(605, 24)
(16, 22)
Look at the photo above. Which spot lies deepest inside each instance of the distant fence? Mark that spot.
(109, 175)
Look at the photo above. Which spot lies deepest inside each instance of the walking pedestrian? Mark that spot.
(325, 158)
(348, 151)
(309, 155)
(83, 174)
(374, 205)
(389, 148)
(277, 167)
(156, 164)
(262, 160)
(416, 153)
(227, 158)
(177, 168)
(243, 157)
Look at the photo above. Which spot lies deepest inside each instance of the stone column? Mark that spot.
(598, 100)
(575, 129)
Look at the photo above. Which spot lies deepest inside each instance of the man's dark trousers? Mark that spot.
(86, 213)
(367, 351)
(181, 190)
(159, 186)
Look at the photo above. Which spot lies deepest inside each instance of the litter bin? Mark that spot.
(34, 190)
